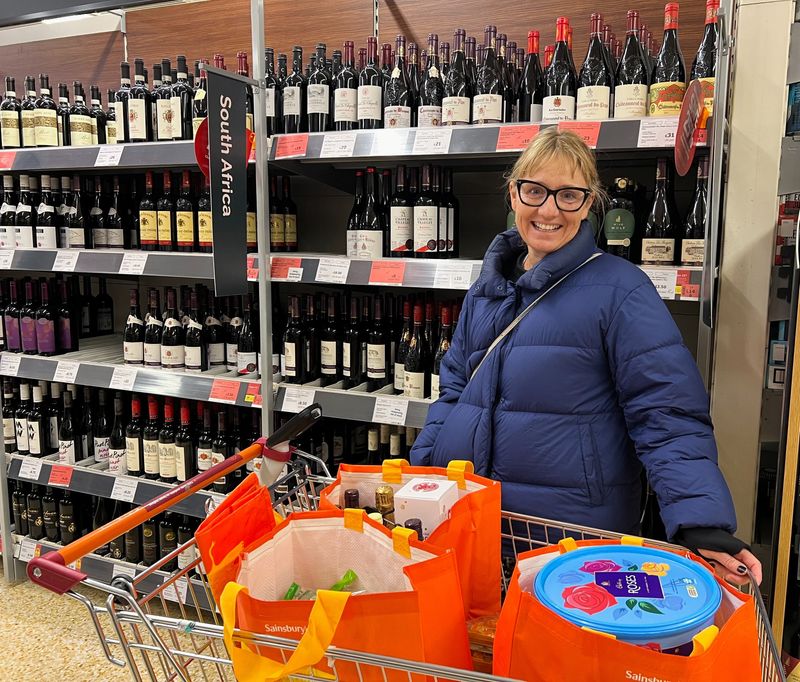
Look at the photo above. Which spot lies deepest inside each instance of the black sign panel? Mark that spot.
(227, 157)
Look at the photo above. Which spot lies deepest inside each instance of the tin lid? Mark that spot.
(629, 592)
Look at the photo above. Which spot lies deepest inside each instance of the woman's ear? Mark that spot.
(512, 194)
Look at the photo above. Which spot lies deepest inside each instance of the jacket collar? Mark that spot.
(506, 248)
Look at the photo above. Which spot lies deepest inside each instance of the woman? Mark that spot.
(592, 383)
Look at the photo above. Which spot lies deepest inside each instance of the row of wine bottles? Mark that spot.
(417, 218)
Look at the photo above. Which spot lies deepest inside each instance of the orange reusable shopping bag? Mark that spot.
(411, 607)
(536, 645)
(472, 530)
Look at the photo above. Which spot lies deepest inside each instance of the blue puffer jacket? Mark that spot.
(593, 382)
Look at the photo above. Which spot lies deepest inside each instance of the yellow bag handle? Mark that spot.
(392, 470)
(457, 470)
(248, 666)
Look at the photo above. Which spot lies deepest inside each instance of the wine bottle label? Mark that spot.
(173, 358)
(22, 434)
(426, 223)
(290, 359)
(164, 227)
(658, 251)
(11, 327)
(176, 121)
(413, 384)
(376, 361)
(111, 132)
(117, 461)
(185, 225)
(666, 98)
(558, 108)
(27, 331)
(132, 455)
(152, 355)
(28, 128)
(24, 237)
(196, 123)
(182, 453)
(95, 139)
(707, 85)
(231, 351)
(216, 354)
(429, 116)
(164, 116)
(397, 117)
(80, 130)
(9, 129)
(318, 99)
(148, 228)
(373, 442)
(455, 110)
(292, 100)
(46, 336)
(9, 434)
(204, 459)
(151, 456)
(100, 237)
(369, 244)
(246, 362)
(66, 451)
(345, 104)
(194, 358)
(434, 386)
(270, 102)
(100, 449)
(115, 237)
(401, 226)
(630, 101)
(399, 374)
(137, 124)
(347, 367)
(277, 230)
(290, 229)
(119, 112)
(64, 332)
(46, 123)
(593, 103)
(205, 234)
(133, 352)
(252, 230)
(618, 227)
(167, 466)
(328, 357)
(76, 237)
(693, 251)
(487, 108)
(351, 240)
(370, 101)
(34, 438)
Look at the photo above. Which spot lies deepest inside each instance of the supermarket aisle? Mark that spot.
(48, 636)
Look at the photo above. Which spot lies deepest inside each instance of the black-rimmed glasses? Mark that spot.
(568, 199)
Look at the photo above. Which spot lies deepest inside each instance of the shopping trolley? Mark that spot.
(174, 631)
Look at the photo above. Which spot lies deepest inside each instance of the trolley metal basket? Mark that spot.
(174, 631)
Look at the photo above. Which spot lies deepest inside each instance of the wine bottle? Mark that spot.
(232, 331)
(44, 115)
(27, 321)
(148, 217)
(318, 94)
(117, 458)
(35, 520)
(457, 86)
(44, 219)
(153, 332)
(277, 224)
(416, 368)
(205, 231)
(96, 220)
(370, 90)
(121, 99)
(140, 119)
(560, 80)
(632, 79)
(21, 418)
(221, 449)
(426, 219)
(596, 80)
(173, 338)
(149, 554)
(694, 227)
(167, 462)
(398, 98)
(101, 429)
(330, 342)
(67, 322)
(134, 453)
(76, 223)
(114, 230)
(45, 324)
(371, 232)
(271, 93)
(86, 424)
(62, 210)
(27, 116)
(431, 94)
(294, 341)
(97, 116)
(54, 413)
(165, 216)
(9, 406)
(619, 224)
(181, 103)
(445, 339)
(196, 351)
(352, 369)
(38, 428)
(247, 347)
(50, 515)
(669, 73)
(62, 113)
(402, 350)
(200, 101)
(215, 338)
(134, 334)
(401, 214)
(186, 231)
(658, 237)
(10, 117)
(8, 214)
(377, 350)
(289, 216)
(312, 331)
(154, 96)
(24, 225)
(294, 95)
(354, 219)
(487, 104)
(531, 87)
(70, 448)
(509, 93)
(345, 94)
(205, 442)
(185, 466)
(80, 123)
(705, 61)
(150, 440)
(104, 310)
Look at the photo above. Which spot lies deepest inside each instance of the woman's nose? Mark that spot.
(549, 208)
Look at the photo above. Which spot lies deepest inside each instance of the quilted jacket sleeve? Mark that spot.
(667, 413)
(452, 380)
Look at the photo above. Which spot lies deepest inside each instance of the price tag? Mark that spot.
(7, 160)
(252, 274)
(588, 131)
(30, 468)
(6, 256)
(253, 390)
(387, 272)
(27, 550)
(177, 590)
(66, 260)
(224, 391)
(294, 275)
(9, 364)
(109, 155)
(657, 132)
(258, 401)
(60, 475)
(124, 489)
(453, 276)
(123, 379)
(389, 142)
(133, 263)
(214, 501)
(296, 398)
(289, 146)
(515, 138)
(432, 140)
(75, 565)
(390, 411)
(333, 270)
(338, 145)
(279, 267)
(664, 281)
(66, 371)
(122, 569)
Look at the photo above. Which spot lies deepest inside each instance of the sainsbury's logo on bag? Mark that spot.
(274, 629)
(637, 677)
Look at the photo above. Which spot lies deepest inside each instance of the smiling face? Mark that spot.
(547, 228)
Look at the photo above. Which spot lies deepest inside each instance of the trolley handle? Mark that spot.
(52, 571)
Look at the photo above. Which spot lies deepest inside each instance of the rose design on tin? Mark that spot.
(600, 566)
(590, 599)
(653, 568)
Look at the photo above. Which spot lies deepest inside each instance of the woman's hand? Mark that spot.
(730, 557)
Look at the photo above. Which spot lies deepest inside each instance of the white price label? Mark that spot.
(389, 142)
(66, 260)
(109, 155)
(333, 270)
(390, 411)
(177, 590)
(9, 364)
(27, 550)
(133, 264)
(66, 371)
(338, 145)
(294, 275)
(657, 132)
(6, 257)
(124, 489)
(123, 379)
(122, 569)
(432, 140)
(453, 276)
(664, 280)
(30, 468)
(296, 399)
(214, 501)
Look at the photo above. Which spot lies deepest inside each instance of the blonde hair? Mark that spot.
(554, 145)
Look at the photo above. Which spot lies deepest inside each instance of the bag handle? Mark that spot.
(322, 624)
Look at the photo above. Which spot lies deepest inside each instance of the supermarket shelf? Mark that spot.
(99, 363)
(94, 479)
(105, 569)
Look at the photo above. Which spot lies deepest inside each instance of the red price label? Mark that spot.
(588, 131)
(690, 291)
(253, 392)
(251, 262)
(387, 272)
(7, 160)
(280, 266)
(252, 274)
(515, 138)
(684, 278)
(224, 391)
(258, 401)
(289, 146)
(60, 475)
(702, 136)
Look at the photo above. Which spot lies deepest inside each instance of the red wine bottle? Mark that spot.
(247, 347)
(596, 79)
(294, 95)
(167, 463)
(67, 322)
(632, 78)
(148, 219)
(378, 356)
(509, 93)
(398, 98)
(470, 49)
(196, 350)
(45, 117)
(319, 95)
(401, 214)
(271, 90)
(185, 460)
(619, 223)
(371, 234)
(133, 335)
(165, 215)
(417, 366)
(140, 119)
(426, 219)
(487, 104)
(101, 429)
(431, 93)
(457, 85)
(150, 440)
(173, 338)
(658, 238)
(294, 343)
(185, 226)
(117, 457)
(530, 94)
(45, 323)
(10, 117)
(27, 117)
(402, 350)
(345, 94)
(330, 344)
(560, 80)
(221, 449)
(668, 84)
(694, 228)
(705, 61)
(134, 454)
(153, 331)
(445, 338)
(289, 215)
(38, 428)
(114, 229)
